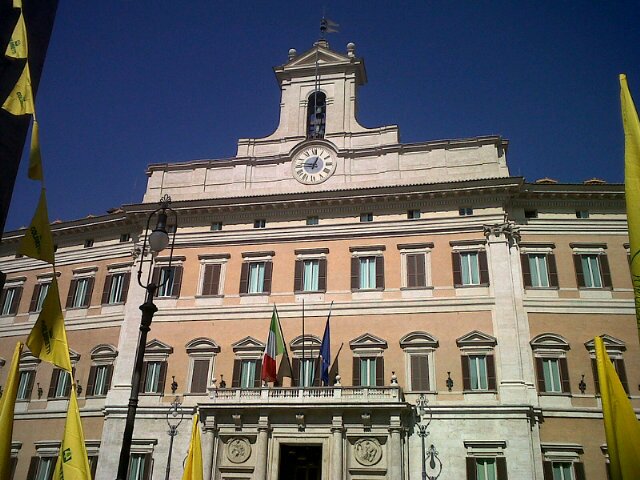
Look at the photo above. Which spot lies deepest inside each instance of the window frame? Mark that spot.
(546, 250)
(375, 252)
(477, 344)
(420, 344)
(200, 349)
(466, 247)
(17, 286)
(211, 284)
(250, 258)
(309, 255)
(248, 348)
(408, 250)
(597, 251)
(368, 346)
(81, 276)
(156, 352)
(310, 344)
(112, 272)
(546, 347)
(163, 292)
(102, 356)
(562, 453)
(484, 450)
(615, 350)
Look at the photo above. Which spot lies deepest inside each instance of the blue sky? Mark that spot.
(127, 84)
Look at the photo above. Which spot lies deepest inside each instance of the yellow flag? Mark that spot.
(17, 3)
(17, 47)
(632, 185)
(193, 467)
(35, 160)
(20, 100)
(7, 403)
(48, 338)
(620, 423)
(37, 241)
(73, 463)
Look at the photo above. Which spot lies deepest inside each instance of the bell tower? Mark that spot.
(318, 101)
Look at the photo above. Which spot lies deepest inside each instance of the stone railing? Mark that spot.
(297, 395)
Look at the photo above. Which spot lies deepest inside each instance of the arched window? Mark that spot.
(316, 115)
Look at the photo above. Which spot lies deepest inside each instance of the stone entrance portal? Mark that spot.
(300, 462)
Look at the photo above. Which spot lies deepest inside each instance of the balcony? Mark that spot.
(306, 396)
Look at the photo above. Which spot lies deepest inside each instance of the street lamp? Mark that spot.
(173, 421)
(155, 241)
(425, 415)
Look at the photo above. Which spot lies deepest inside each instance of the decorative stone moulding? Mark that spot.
(238, 450)
(367, 451)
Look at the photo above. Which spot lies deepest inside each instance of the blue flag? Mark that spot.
(325, 353)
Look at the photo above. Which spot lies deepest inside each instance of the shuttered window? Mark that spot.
(255, 277)
(211, 279)
(416, 270)
(420, 372)
(80, 292)
(200, 375)
(154, 377)
(25, 384)
(139, 466)
(169, 280)
(592, 271)
(478, 372)
(618, 364)
(116, 286)
(39, 293)
(10, 300)
(367, 273)
(539, 270)
(99, 380)
(60, 386)
(368, 371)
(553, 375)
(470, 268)
(486, 468)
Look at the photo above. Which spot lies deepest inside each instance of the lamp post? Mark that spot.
(425, 415)
(173, 421)
(156, 241)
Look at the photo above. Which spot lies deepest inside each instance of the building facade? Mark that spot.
(447, 278)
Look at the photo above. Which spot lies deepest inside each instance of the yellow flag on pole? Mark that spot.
(7, 403)
(35, 159)
(620, 423)
(193, 467)
(632, 185)
(48, 338)
(73, 463)
(20, 100)
(17, 3)
(37, 241)
(17, 47)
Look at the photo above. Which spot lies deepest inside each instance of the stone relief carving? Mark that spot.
(509, 229)
(238, 450)
(367, 451)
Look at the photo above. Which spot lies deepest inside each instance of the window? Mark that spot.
(306, 372)
(154, 369)
(116, 286)
(211, 279)
(413, 214)
(552, 371)
(416, 270)
(154, 376)
(470, 268)
(539, 270)
(366, 217)
(591, 265)
(465, 211)
(530, 214)
(246, 373)
(10, 300)
(486, 468)
(313, 220)
(39, 294)
(25, 384)
(201, 353)
(260, 223)
(88, 243)
(169, 281)
(41, 468)
(615, 349)
(419, 348)
(310, 274)
(368, 362)
(60, 386)
(367, 268)
(99, 380)
(255, 275)
(125, 237)
(139, 466)
(216, 226)
(316, 115)
(477, 360)
(80, 292)
(562, 461)
(582, 213)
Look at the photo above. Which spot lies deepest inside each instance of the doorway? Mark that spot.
(300, 462)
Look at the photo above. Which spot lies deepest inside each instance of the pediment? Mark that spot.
(418, 339)
(156, 346)
(324, 56)
(310, 341)
(26, 357)
(202, 344)
(550, 341)
(104, 351)
(74, 356)
(367, 340)
(476, 338)
(610, 343)
(247, 344)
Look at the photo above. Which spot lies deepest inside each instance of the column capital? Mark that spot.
(506, 231)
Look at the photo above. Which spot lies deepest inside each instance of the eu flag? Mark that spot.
(325, 353)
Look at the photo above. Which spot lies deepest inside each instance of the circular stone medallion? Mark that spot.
(238, 450)
(367, 451)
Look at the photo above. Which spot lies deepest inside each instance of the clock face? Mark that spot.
(313, 165)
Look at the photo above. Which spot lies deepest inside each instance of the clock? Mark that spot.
(313, 165)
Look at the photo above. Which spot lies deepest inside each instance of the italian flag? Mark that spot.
(275, 347)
